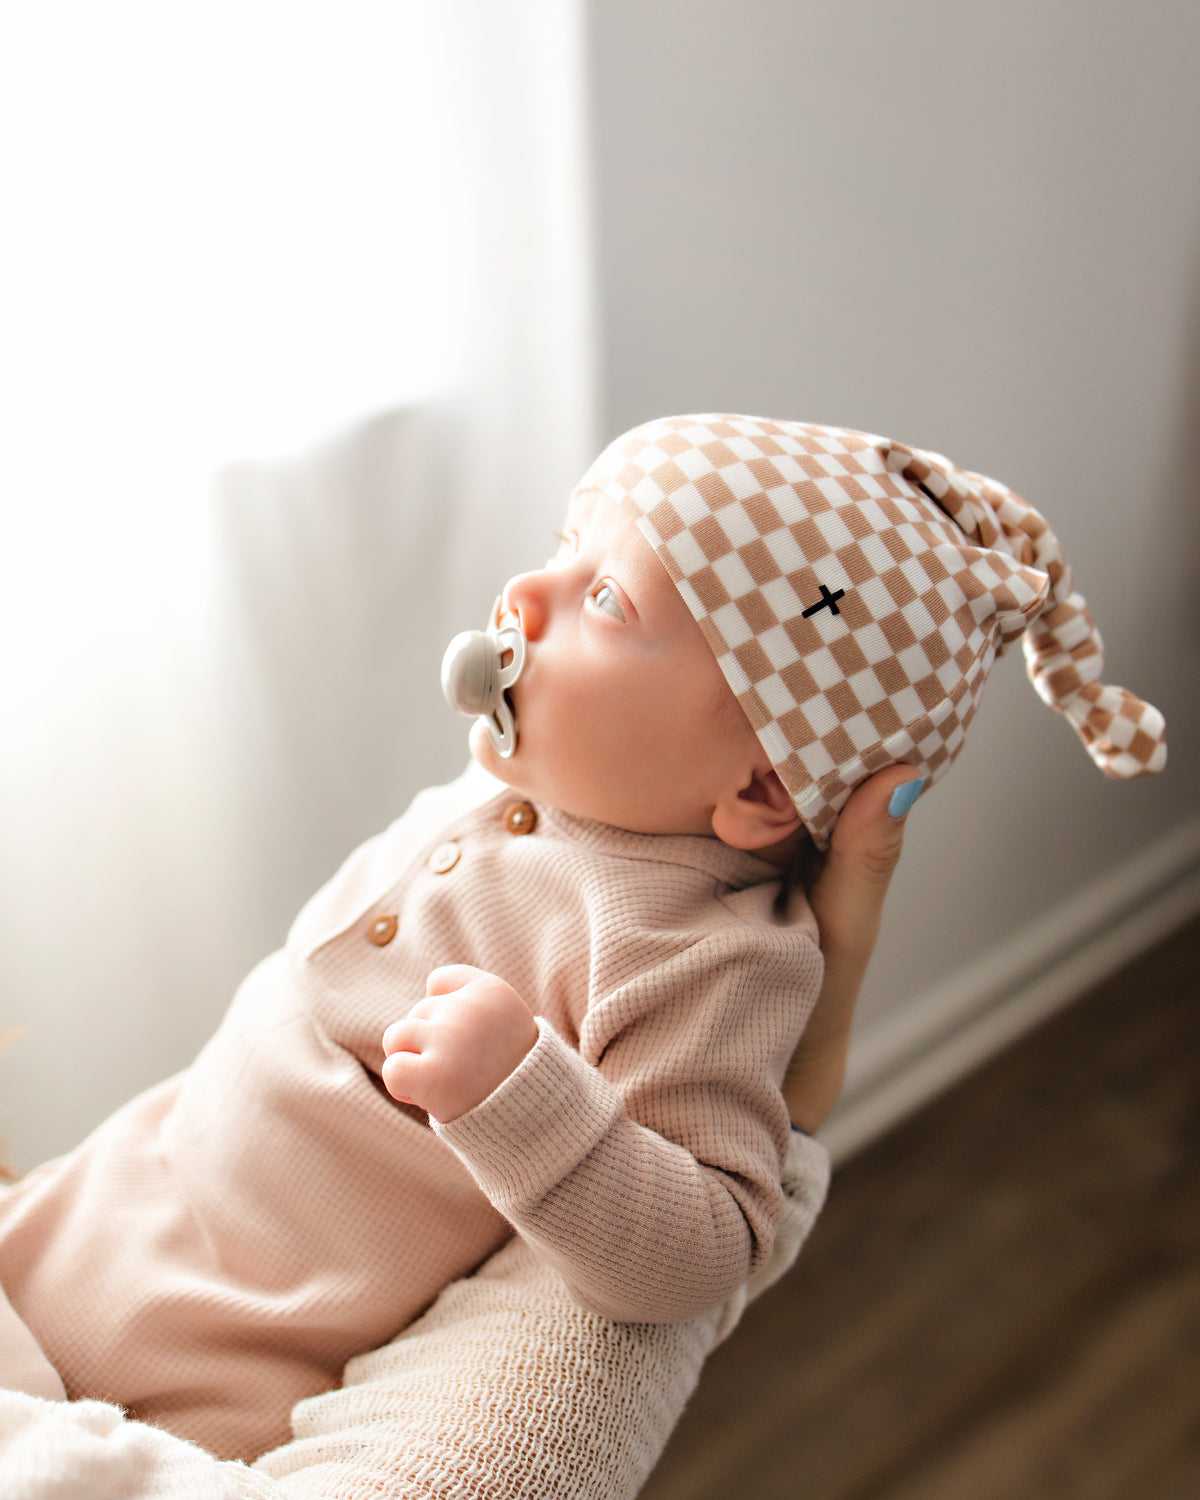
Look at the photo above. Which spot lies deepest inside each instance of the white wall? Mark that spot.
(977, 229)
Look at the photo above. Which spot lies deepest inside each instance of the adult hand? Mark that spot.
(847, 898)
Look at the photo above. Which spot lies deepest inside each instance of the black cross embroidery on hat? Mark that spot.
(827, 600)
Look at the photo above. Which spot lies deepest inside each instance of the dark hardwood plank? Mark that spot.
(1003, 1296)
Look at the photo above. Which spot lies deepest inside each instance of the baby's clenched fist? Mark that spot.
(458, 1044)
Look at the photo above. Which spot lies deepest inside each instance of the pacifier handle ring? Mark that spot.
(508, 639)
(502, 729)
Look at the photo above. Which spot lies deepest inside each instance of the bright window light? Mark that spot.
(229, 231)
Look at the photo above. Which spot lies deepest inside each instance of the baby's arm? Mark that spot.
(646, 1170)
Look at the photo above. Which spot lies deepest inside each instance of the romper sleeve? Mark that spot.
(645, 1167)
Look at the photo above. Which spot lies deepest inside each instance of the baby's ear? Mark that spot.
(757, 814)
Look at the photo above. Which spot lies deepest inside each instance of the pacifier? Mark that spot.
(474, 679)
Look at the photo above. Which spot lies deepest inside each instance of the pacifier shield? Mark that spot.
(475, 676)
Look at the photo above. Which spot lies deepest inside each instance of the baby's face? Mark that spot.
(622, 712)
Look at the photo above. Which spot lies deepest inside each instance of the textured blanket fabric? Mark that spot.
(505, 1388)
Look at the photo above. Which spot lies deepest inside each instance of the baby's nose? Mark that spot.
(527, 596)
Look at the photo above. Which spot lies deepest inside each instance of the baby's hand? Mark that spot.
(457, 1045)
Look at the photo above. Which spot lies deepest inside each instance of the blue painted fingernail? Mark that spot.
(904, 797)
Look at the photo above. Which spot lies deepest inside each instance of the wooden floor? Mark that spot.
(1002, 1298)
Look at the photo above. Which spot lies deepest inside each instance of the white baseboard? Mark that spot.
(913, 1053)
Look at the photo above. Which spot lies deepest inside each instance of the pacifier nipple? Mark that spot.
(475, 677)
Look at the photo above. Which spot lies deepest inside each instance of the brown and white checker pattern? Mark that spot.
(855, 594)
(1064, 653)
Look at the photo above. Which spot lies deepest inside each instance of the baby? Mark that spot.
(583, 957)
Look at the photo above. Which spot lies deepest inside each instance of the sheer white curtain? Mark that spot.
(295, 367)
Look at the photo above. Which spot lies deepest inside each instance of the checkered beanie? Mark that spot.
(856, 592)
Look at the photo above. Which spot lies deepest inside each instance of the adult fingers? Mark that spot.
(847, 897)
